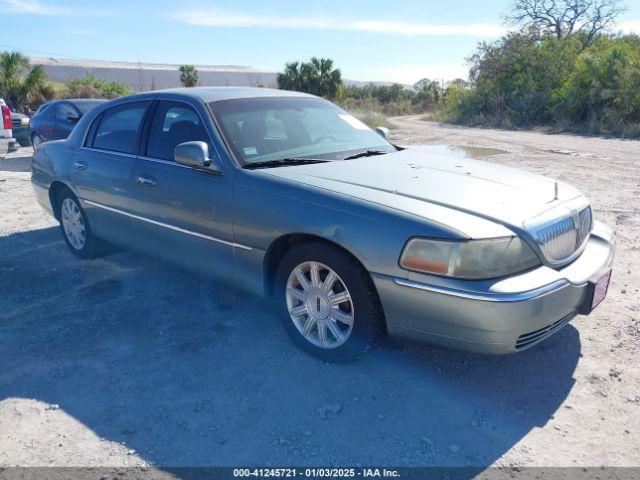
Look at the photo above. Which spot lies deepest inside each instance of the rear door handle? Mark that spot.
(144, 180)
(80, 165)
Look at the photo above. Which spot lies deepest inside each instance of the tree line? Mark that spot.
(564, 67)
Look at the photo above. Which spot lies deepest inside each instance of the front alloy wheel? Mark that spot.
(320, 305)
(330, 307)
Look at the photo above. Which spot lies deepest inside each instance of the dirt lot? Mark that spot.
(127, 361)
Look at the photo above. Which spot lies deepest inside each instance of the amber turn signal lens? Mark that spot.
(424, 265)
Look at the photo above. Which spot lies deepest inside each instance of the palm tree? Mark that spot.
(316, 76)
(328, 79)
(21, 83)
(189, 75)
(291, 77)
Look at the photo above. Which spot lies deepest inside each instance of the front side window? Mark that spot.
(118, 128)
(265, 129)
(174, 123)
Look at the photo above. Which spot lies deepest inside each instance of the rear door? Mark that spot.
(103, 167)
(182, 214)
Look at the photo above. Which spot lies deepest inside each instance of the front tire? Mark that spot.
(75, 227)
(330, 307)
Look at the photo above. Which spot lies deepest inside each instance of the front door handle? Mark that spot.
(149, 181)
(80, 165)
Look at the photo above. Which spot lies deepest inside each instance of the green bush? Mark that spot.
(603, 91)
(92, 87)
(526, 80)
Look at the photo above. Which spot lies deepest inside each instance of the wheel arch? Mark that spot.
(281, 245)
(55, 189)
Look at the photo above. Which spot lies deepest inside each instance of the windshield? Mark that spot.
(265, 129)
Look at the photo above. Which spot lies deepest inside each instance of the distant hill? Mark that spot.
(149, 76)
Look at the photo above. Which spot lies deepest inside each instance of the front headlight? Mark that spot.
(468, 259)
(24, 122)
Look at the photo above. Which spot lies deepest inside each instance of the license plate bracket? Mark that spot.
(596, 292)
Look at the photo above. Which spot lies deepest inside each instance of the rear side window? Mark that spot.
(174, 123)
(42, 108)
(119, 126)
(64, 111)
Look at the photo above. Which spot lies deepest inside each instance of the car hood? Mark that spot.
(425, 174)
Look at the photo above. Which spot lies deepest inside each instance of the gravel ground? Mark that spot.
(127, 361)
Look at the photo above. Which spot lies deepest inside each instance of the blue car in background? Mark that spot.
(55, 120)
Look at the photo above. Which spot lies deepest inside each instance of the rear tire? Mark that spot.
(75, 227)
(330, 308)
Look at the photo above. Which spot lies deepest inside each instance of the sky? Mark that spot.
(400, 40)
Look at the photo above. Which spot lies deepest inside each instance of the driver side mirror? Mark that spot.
(196, 155)
(383, 132)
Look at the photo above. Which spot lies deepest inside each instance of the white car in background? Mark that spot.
(7, 142)
(5, 131)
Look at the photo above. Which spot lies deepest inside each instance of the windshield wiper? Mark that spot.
(289, 161)
(366, 153)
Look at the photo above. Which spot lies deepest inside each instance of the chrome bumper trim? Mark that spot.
(485, 297)
(166, 225)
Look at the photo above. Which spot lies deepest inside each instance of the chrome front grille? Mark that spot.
(560, 239)
(15, 122)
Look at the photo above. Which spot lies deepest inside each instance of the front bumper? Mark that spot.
(499, 316)
(21, 134)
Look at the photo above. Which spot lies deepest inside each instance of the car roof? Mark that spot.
(218, 94)
(82, 100)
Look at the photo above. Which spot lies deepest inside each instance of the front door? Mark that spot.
(182, 214)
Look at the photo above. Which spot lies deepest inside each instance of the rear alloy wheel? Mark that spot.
(331, 309)
(36, 142)
(73, 223)
(75, 227)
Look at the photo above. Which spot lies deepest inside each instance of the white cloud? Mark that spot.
(632, 26)
(218, 18)
(33, 7)
(410, 74)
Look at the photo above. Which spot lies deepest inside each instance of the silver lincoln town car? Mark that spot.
(289, 196)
